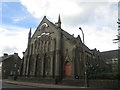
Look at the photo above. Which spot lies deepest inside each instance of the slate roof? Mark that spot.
(67, 35)
(2, 58)
(110, 54)
(72, 38)
(87, 49)
(5, 57)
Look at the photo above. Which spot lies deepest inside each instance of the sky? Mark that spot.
(97, 18)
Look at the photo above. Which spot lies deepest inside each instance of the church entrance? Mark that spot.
(68, 69)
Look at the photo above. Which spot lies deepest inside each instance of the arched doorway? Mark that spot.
(68, 69)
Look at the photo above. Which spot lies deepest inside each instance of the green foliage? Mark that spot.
(103, 75)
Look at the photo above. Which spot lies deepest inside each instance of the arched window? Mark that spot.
(68, 69)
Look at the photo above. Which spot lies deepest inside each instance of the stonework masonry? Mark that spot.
(53, 53)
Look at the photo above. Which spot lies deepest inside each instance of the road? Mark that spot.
(6, 86)
(9, 86)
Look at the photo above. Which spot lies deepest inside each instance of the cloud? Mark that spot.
(97, 18)
(18, 19)
(13, 39)
(98, 21)
(97, 14)
(9, 0)
(100, 39)
(75, 12)
(7, 49)
(51, 8)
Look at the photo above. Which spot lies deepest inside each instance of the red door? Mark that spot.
(68, 67)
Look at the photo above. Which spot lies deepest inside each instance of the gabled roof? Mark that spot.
(44, 18)
(66, 34)
(3, 58)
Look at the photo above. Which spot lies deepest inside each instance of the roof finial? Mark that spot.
(59, 21)
(29, 33)
(44, 16)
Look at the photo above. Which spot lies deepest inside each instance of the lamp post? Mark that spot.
(85, 67)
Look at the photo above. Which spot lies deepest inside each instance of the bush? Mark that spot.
(103, 75)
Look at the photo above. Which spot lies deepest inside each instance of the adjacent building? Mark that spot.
(10, 65)
(55, 54)
(111, 60)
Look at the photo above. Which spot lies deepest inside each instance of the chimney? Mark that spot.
(73, 35)
(5, 54)
(16, 54)
(23, 53)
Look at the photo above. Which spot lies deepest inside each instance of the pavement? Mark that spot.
(50, 86)
(39, 85)
(11, 86)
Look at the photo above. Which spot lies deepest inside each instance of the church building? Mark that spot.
(52, 53)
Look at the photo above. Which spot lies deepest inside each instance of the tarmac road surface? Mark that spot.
(10, 86)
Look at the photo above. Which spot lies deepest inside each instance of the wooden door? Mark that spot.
(68, 69)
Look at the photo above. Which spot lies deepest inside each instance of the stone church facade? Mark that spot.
(53, 53)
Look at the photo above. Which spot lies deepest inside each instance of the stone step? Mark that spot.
(36, 79)
(75, 82)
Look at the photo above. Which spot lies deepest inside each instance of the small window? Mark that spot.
(15, 65)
